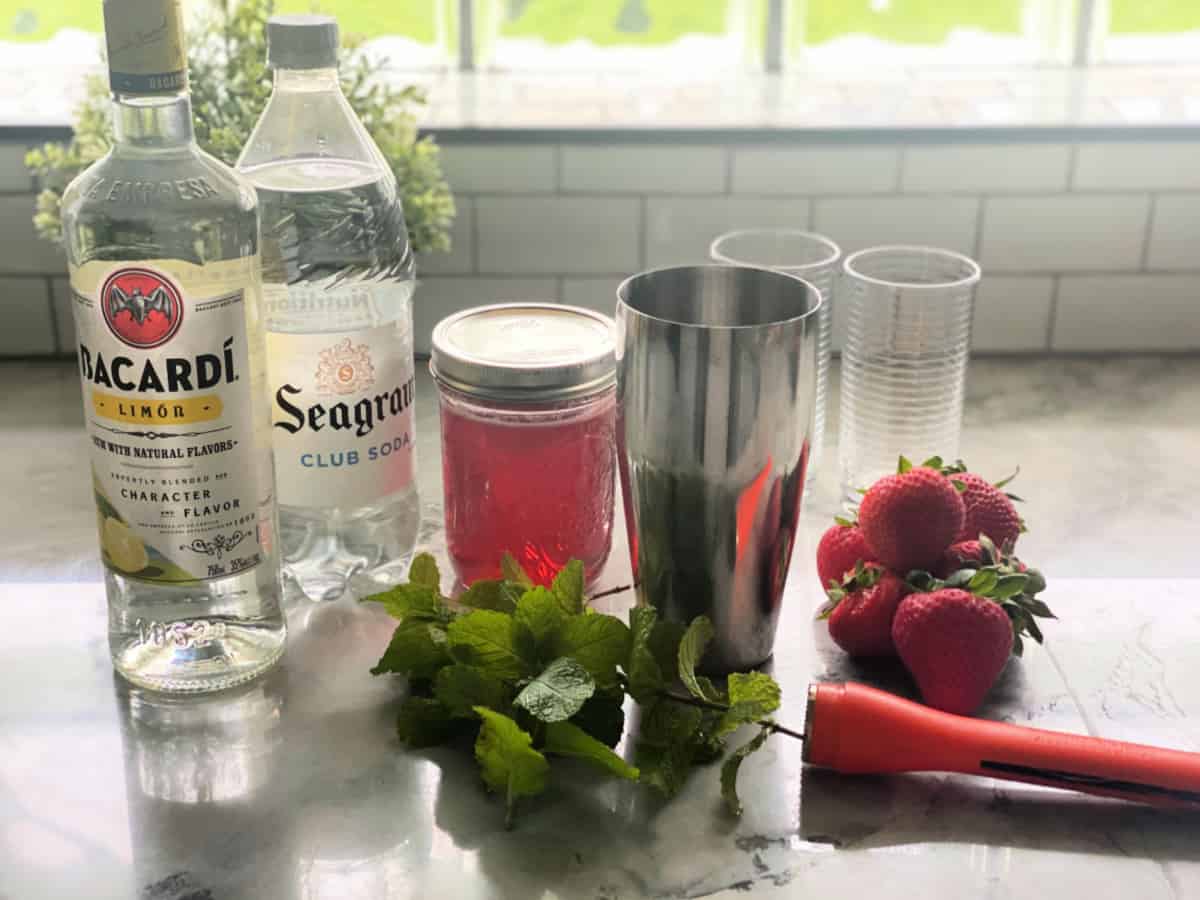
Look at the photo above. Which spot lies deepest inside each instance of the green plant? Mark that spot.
(534, 673)
(230, 87)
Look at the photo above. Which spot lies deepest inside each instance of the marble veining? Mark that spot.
(296, 788)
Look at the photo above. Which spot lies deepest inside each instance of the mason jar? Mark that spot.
(528, 417)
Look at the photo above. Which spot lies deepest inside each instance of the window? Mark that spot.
(687, 37)
(915, 32)
(604, 35)
(1148, 30)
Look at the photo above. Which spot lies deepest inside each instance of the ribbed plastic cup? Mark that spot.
(904, 364)
(806, 255)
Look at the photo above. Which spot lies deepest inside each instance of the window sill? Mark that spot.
(946, 104)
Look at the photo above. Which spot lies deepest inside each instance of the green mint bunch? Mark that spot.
(536, 674)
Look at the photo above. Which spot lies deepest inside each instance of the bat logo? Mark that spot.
(141, 307)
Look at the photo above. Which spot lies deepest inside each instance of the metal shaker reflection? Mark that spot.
(716, 381)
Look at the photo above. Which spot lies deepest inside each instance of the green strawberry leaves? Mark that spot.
(535, 674)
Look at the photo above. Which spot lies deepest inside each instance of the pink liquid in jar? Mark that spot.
(534, 482)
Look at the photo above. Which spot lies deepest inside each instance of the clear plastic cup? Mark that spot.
(806, 255)
(904, 364)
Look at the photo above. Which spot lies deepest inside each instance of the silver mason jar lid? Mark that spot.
(525, 352)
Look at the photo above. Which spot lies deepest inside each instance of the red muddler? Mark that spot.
(854, 729)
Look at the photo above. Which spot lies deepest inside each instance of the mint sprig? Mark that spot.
(535, 674)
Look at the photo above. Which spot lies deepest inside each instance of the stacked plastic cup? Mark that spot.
(904, 363)
(806, 255)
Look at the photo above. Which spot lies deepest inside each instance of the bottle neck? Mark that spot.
(300, 80)
(153, 121)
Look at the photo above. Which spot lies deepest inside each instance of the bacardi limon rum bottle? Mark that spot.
(338, 285)
(162, 245)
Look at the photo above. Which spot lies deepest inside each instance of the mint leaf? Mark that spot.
(460, 688)
(565, 739)
(752, 696)
(484, 638)
(729, 770)
(597, 642)
(418, 649)
(423, 570)
(538, 619)
(424, 722)
(558, 692)
(507, 759)
(664, 644)
(513, 571)
(488, 594)
(691, 649)
(668, 741)
(410, 601)
(568, 587)
(644, 673)
(903, 466)
(602, 716)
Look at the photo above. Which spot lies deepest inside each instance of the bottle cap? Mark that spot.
(525, 352)
(302, 42)
(144, 40)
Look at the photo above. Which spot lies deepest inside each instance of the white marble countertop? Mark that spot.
(295, 787)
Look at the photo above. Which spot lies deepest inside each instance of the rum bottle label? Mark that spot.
(168, 395)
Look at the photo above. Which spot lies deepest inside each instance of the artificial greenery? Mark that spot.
(230, 86)
(535, 673)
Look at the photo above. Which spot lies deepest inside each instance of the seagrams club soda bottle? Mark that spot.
(338, 283)
(162, 247)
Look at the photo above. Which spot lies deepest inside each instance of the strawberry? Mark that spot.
(860, 610)
(910, 518)
(955, 644)
(963, 555)
(988, 511)
(841, 548)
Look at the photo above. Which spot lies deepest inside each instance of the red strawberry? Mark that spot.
(841, 548)
(909, 519)
(963, 555)
(955, 644)
(988, 511)
(861, 609)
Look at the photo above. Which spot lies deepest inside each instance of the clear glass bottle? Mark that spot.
(338, 279)
(162, 247)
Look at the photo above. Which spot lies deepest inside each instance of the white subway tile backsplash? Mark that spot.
(1175, 233)
(986, 167)
(815, 170)
(680, 229)
(598, 293)
(64, 314)
(500, 168)
(13, 174)
(21, 250)
(1012, 313)
(28, 329)
(857, 222)
(1138, 166)
(461, 258)
(1063, 233)
(438, 297)
(1128, 312)
(558, 235)
(644, 168)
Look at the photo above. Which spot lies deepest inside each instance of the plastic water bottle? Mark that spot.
(338, 281)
